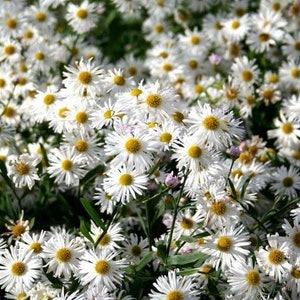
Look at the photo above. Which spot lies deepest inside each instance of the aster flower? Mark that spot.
(61, 254)
(65, 166)
(227, 246)
(84, 80)
(18, 268)
(124, 183)
(23, 170)
(100, 268)
(273, 259)
(173, 286)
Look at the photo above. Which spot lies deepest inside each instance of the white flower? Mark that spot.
(173, 287)
(23, 170)
(18, 268)
(100, 268)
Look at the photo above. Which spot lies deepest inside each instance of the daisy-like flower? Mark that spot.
(134, 149)
(187, 223)
(110, 239)
(124, 183)
(192, 154)
(173, 287)
(43, 104)
(83, 17)
(22, 169)
(104, 115)
(33, 242)
(17, 228)
(273, 258)
(290, 74)
(115, 81)
(157, 102)
(42, 290)
(293, 281)
(104, 200)
(84, 80)
(291, 48)
(10, 51)
(244, 71)
(293, 238)
(215, 127)
(287, 131)
(235, 29)
(61, 253)
(65, 166)
(286, 182)
(227, 246)
(246, 281)
(135, 248)
(101, 268)
(19, 268)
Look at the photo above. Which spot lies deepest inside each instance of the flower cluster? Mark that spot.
(150, 149)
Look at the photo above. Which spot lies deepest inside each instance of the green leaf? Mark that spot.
(145, 261)
(185, 259)
(91, 175)
(85, 231)
(3, 171)
(162, 252)
(93, 213)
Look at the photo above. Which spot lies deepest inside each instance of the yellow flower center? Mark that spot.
(22, 81)
(247, 75)
(206, 269)
(119, 80)
(163, 54)
(9, 50)
(295, 273)
(276, 6)
(153, 100)
(165, 137)
(295, 73)
(18, 268)
(195, 40)
(297, 45)
(231, 93)
(235, 24)
(287, 181)
(11, 23)
(296, 239)
(63, 255)
(276, 256)
(273, 78)
(2, 83)
(133, 145)
(67, 165)
(125, 179)
(135, 92)
(104, 240)
(39, 56)
(82, 13)
(132, 71)
(36, 247)
(174, 295)
(81, 146)
(85, 77)
(264, 37)
(224, 243)
(167, 67)
(160, 3)
(198, 89)
(136, 250)
(211, 123)
(22, 168)
(219, 208)
(40, 16)
(9, 112)
(102, 267)
(193, 64)
(62, 112)
(21, 296)
(108, 114)
(187, 223)
(237, 173)
(194, 151)
(159, 28)
(18, 230)
(268, 94)
(287, 128)
(178, 117)
(81, 117)
(49, 99)
(253, 277)
(28, 35)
